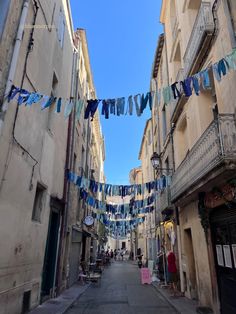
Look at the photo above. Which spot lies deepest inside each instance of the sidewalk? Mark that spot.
(62, 303)
(182, 305)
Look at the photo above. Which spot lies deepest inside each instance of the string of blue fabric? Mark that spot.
(138, 103)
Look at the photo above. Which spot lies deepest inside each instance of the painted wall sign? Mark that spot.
(219, 254)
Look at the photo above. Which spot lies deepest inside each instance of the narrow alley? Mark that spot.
(121, 291)
(117, 156)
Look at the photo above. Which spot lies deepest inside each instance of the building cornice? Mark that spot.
(163, 11)
(144, 136)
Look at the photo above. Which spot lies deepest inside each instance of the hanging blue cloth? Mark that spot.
(223, 67)
(216, 72)
(23, 97)
(175, 90)
(231, 60)
(92, 106)
(112, 103)
(68, 108)
(58, 106)
(196, 84)
(105, 108)
(79, 107)
(130, 105)
(13, 92)
(120, 106)
(206, 84)
(144, 101)
(33, 98)
(137, 100)
(167, 92)
(48, 101)
(186, 84)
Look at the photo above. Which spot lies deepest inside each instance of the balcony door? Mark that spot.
(223, 225)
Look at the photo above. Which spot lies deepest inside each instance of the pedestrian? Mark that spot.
(122, 255)
(112, 255)
(172, 272)
(115, 253)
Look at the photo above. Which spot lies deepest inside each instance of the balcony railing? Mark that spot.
(164, 199)
(217, 144)
(203, 26)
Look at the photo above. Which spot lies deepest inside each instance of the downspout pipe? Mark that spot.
(14, 61)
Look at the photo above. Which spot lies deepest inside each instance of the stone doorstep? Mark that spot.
(63, 302)
(181, 304)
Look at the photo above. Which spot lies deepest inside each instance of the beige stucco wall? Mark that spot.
(192, 121)
(201, 289)
(22, 262)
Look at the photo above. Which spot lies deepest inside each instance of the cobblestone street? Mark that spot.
(121, 291)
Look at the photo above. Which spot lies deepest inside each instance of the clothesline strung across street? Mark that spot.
(123, 210)
(120, 228)
(139, 102)
(119, 190)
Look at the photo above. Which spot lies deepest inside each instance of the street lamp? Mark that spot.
(156, 163)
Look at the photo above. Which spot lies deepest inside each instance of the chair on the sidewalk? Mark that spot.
(94, 278)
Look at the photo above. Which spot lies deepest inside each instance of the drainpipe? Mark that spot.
(14, 61)
(69, 150)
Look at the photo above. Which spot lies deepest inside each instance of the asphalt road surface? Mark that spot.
(121, 291)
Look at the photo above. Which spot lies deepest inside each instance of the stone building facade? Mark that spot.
(39, 209)
(148, 174)
(197, 34)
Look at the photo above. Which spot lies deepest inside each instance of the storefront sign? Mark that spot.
(145, 276)
(219, 254)
(234, 254)
(225, 193)
(227, 255)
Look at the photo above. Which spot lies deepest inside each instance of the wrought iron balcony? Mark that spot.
(202, 31)
(216, 146)
(165, 199)
(163, 202)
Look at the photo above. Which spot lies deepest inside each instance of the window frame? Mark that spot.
(38, 203)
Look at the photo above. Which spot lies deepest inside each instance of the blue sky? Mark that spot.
(122, 37)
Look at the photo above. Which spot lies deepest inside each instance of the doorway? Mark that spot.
(49, 266)
(223, 229)
(188, 243)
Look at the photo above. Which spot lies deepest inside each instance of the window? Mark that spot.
(167, 166)
(61, 28)
(74, 163)
(82, 158)
(164, 126)
(38, 203)
(4, 7)
(26, 302)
